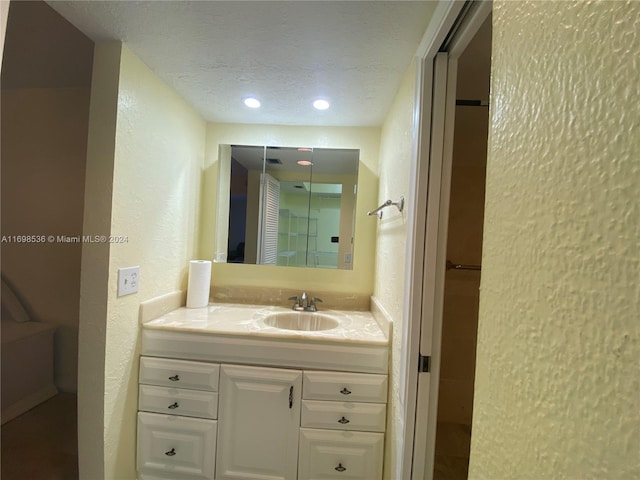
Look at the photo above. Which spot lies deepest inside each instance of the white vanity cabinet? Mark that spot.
(177, 426)
(343, 422)
(259, 423)
(213, 411)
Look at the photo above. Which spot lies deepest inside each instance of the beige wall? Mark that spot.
(356, 281)
(46, 74)
(44, 145)
(464, 245)
(94, 280)
(4, 14)
(156, 149)
(395, 164)
(558, 371)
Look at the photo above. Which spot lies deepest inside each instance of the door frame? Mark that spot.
(454, 23)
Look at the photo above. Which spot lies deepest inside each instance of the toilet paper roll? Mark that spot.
(199, 283)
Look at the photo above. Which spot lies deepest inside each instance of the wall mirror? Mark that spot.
(287, 206)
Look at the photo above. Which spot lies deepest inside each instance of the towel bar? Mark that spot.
(388, 203)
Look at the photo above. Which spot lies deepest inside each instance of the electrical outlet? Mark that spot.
(128, 280)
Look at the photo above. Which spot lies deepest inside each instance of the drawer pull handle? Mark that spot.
(340, 468)
(343, 421)
(291, 397)
(174, 405)
(171, 452)
(175, 378)
(345, 391)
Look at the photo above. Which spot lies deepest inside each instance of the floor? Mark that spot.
(453, 443)
(42, 444)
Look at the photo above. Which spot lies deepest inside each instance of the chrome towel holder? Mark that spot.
(388, 203)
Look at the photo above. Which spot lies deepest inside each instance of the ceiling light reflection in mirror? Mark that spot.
(288, 206)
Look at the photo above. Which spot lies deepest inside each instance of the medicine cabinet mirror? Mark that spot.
(287, 206)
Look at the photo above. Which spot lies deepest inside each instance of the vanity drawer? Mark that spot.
(175, 447)
(328, 454)
(179, 373)
(369, 417)
(345, 387)
(178, 401)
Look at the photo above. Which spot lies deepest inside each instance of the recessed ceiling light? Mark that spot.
(304, 163)
(321, 104)
(252, 102)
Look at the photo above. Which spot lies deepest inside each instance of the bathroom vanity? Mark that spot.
(227, 393)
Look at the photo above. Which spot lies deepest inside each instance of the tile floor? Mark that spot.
(42, 444)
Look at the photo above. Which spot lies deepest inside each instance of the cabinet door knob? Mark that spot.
(345, 391)
(291, 397)
(171, 452)
(343, 421)
(174, 405)
(175, 378)
(340, 468)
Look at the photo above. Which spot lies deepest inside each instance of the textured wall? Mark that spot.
(4, 14)
(94, 276)
(156, 193)
(395, 164)
(558, 372)
(157, 165)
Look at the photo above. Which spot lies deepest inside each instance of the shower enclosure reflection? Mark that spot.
(288, 206)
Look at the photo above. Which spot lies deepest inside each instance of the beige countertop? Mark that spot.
(249, 320)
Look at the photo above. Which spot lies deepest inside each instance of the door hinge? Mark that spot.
(424, 364)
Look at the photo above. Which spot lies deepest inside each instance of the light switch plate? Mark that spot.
(128, 280)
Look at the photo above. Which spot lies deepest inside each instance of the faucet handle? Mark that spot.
(297, 305)
(312, 304)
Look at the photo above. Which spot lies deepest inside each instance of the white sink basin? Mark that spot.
(305, 321)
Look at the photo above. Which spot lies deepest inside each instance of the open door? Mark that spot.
(443, 105)
(437, 183)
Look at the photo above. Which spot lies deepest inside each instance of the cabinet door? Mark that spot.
(331, 454)
(258, 426)
(175, 447)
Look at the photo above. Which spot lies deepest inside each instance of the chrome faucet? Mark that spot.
(304, 304)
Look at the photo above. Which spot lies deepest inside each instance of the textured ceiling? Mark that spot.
(352, 53)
